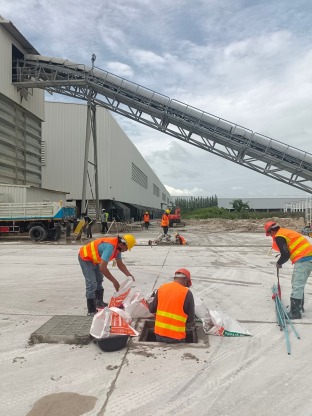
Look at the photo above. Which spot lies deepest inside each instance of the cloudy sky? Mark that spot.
(246, 61)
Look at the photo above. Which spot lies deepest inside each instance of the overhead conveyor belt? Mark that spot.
(191, 125)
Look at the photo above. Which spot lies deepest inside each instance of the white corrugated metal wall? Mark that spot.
(20, 123)
(64, 133)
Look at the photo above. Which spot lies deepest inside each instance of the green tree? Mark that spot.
(240, 206)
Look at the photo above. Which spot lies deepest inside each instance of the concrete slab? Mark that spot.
(64, 329)
(247, 376)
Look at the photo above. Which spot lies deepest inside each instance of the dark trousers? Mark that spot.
(104, 227)
(89, 230)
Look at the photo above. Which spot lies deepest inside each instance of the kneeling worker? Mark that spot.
(174, 307)
(93, 259)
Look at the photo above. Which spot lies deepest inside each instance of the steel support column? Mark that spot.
(90, 131)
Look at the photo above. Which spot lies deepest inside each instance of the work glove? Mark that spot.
(278, 266)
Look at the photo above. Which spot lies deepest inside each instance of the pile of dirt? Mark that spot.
(243, 226)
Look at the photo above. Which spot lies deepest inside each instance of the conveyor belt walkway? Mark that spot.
(191, 125)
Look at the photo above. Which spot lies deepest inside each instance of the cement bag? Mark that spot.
(136, 306)
(200, 308)
(221, 324)
(124, 289)
(111, 321)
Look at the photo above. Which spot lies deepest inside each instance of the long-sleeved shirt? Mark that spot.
(283, 248)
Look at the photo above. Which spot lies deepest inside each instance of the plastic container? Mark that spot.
(113, 343)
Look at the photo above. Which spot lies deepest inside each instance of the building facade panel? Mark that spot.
(20, 144)
(34, 103)
(124, 175)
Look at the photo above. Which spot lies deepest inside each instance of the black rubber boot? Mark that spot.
(91, 307)
(302, 303)
(295, 307)
(99, 299)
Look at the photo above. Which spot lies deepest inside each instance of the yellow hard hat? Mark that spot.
(168, 211)
(130, 240)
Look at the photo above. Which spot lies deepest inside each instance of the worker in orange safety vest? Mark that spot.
(180, 240)
(93, 259)
(146, 220)
(165, 221)
(298, 249)
(173, 304)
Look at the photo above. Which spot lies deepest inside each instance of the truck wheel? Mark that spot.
(170, 224)
(38, 233)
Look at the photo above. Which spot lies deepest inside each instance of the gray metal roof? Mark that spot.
(16, 34)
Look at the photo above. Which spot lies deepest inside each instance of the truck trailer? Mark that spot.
(41, 220)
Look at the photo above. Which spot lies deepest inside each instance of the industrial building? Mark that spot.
(44, 145)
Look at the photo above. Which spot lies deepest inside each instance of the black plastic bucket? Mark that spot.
(113, 343)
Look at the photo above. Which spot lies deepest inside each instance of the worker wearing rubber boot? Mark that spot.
(94, 258)
(297, 248)
(165, 222)
(173, 304)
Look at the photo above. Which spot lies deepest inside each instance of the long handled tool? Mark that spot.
(279, 290)
(282, 316)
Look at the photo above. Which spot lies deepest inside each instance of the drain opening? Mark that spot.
(148, 334)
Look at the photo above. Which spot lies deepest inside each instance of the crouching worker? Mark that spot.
(173, 304)
(94, 258)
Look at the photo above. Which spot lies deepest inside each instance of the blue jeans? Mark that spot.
(302, 271)
(93, 277)
(168, 340)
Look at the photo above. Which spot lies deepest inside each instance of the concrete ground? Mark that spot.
(243, 376)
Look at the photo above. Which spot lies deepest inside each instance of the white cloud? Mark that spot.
(245, 62)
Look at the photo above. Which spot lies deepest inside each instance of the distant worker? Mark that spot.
(88, 225)
(146, 220)
(173, 304)
(104, 219)
(165, 221)
(180, 240)
(93, 259)
(298, 249)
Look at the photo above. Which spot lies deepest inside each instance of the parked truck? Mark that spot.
(42, 220)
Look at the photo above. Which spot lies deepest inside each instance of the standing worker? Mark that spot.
(93, 259)
(146, 220)
(104, 219)
(174, 307)
(297, 248)
(88, 225)
(165, 222)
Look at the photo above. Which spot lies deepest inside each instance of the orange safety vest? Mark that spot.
(165, 220)
(170, 316)
(146, 218)
(182, 240)
(297, 244)
(90, 251)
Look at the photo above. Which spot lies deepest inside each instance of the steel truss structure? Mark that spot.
(193, 126)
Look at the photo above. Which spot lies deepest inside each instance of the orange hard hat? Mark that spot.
(268, 225)
(185, 273)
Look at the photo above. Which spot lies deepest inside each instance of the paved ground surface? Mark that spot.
(232, 272)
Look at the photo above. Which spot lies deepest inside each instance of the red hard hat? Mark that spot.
(186, 273)
(268, 225)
